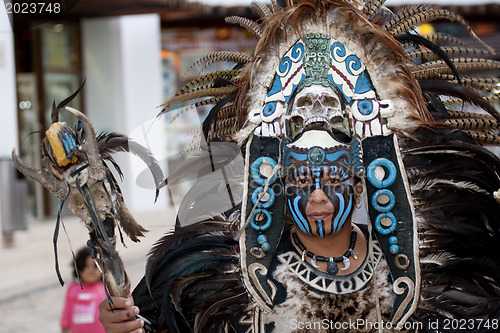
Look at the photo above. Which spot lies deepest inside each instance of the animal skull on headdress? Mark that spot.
(316, 104)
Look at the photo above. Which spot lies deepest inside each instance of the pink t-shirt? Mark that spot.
(81, 308)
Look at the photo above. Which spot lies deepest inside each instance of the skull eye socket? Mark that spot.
(304, 101)
(329, 101)
(298, 121)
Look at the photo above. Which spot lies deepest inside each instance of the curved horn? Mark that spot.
(54, 185)
(90, 147)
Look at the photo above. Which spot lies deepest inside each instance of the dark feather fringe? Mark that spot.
(192, 276)
(453, 181)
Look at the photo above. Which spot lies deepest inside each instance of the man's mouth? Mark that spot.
(316, 216)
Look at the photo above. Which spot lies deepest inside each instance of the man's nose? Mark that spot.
(318, 196)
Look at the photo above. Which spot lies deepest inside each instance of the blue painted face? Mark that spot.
(319, 198)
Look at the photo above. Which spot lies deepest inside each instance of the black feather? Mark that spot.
(210, 120)
(110, 143)
(417, 39)
(453, 89)
(54, 115)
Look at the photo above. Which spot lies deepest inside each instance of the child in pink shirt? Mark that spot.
(81, 313)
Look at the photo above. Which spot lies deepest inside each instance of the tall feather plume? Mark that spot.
(211, 118)
(215, 76)
(484, 138)
(228, 56)
(474, 123)
(424, 54)
(405, 13)
(372, 7)
(198, 94)
(225, 123)
(465, 64)
(223, 127)
(433, 69)
(204, 162)
(261, 9)
(248, 24)
(458, 114)
(478, 83)
(275, 7)
(429, 16)
(441, 38)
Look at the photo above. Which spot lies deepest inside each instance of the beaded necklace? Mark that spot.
(332, 268)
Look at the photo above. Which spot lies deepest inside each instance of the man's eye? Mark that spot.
(333, 180)
(302, 181)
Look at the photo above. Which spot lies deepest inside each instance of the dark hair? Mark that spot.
(80, 259)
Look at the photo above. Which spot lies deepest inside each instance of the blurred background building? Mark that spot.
(133, 55)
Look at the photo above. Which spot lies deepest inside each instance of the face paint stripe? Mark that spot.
(346, 212)
(336, 227)
(321, 228)
(297, 215)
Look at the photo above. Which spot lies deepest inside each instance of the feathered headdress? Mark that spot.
(402, 97)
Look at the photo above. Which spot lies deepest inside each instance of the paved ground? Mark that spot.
(31, 298)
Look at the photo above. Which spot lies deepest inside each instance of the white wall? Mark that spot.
(8, 112)
(8, 126)
(122, 65)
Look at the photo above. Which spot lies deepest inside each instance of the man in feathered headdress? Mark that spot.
(341, 104)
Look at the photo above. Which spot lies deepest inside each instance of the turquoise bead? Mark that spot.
(262, 239)
(394, 249)
(393, 240)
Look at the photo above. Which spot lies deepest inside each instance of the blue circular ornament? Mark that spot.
(378, 225)
(388, 165)
(263, 204)
(389, 206)
(255, 170)
(268, 220)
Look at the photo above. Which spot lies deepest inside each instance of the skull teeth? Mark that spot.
(316, 119)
